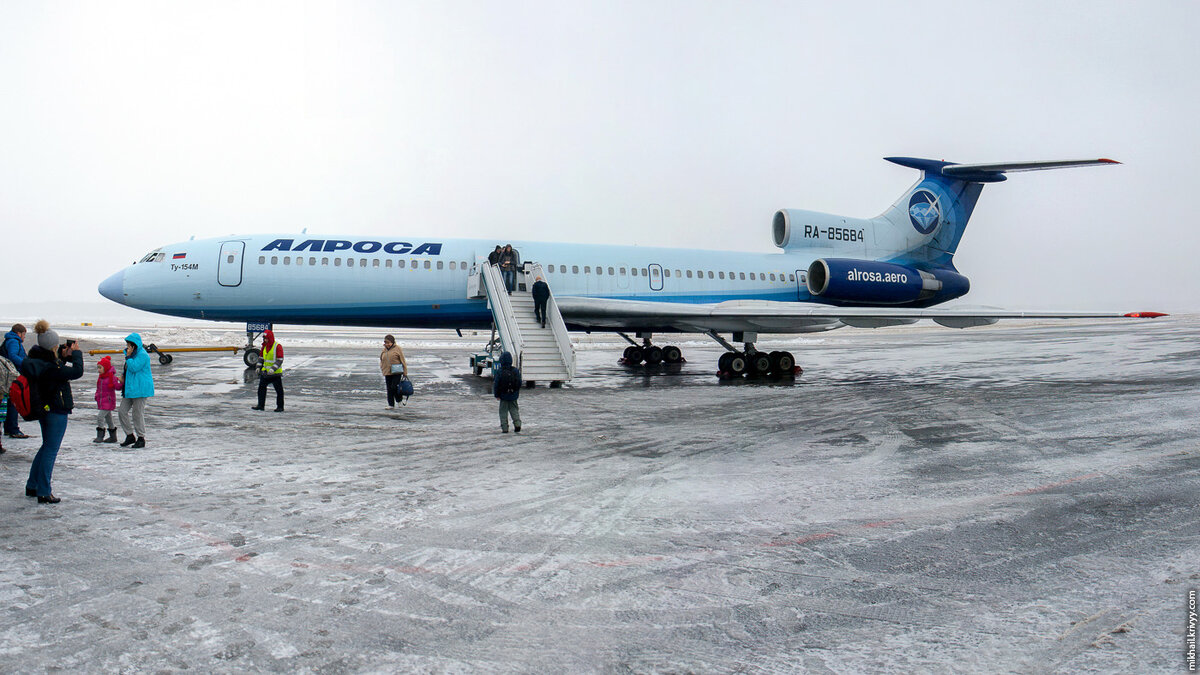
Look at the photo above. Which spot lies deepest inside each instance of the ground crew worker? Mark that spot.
(270, 372)
(507, 387)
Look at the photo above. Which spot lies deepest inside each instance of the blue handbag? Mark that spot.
(404, 389)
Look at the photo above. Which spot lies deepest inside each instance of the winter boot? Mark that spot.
(112, 436)
(130, 439)
(140, 443)
(99, 435)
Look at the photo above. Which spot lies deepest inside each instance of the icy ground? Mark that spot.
(1020, 498)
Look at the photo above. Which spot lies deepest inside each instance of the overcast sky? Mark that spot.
(128, 125)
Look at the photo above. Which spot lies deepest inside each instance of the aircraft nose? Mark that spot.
(113, 287)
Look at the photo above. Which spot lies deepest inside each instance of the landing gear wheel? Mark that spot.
(787, 364)
(653, 355)
(737, 363)
(758, 363)
(671, 354)
(628, 351)
(723, 362)
(633, 355)
(252, 357)
(165, 358)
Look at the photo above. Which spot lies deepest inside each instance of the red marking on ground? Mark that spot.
(881, 523)
(1051, 486)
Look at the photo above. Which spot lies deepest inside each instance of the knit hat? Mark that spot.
(48, 340)
(106, 364)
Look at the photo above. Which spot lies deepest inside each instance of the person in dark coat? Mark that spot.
(541, 294)
(507, 387)
(494, 256)
(510, 260)
(14, 350)
(50, 369)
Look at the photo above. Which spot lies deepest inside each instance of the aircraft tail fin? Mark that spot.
(926, 224)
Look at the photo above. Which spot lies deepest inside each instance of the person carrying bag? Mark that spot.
(395, 371)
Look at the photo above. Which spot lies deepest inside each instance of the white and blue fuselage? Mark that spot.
(419, 283)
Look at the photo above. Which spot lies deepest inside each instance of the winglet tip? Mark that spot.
(1146, 315)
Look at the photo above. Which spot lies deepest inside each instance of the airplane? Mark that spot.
(831, 271)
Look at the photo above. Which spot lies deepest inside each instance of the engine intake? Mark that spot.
(867, 281)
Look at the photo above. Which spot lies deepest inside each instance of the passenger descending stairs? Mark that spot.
(542, 354)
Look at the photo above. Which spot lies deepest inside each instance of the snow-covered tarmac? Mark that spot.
(1020, 498)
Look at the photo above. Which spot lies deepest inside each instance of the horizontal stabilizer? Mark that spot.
(990, 173)
(959, 169)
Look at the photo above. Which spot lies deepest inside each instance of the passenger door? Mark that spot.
(656, 277)
(801, 284)
(229, 266)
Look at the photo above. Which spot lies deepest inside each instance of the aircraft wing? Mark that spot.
(784, 317)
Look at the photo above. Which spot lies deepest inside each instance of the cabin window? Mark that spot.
(453, 267)
(312, 261)
(645, 271)
(752, 276)
(388, 263)
(426, 264)
(462, 265)
(710, 275)
(400, 263)
(274, 260)
(742, 276)
(416, 264)
(362, 262)
(299, 260)
(721, 274)
(689, 274)
(574, 269)
(587, 269)
(439, 264)
(337, 262)
(772, 276)
(622, 271)
(324, 261)
(287, 260)
(610, 272)
(261, 259)
(230, 258)
(375, 262)
(654, 271)
(791, 277)
(667, 273)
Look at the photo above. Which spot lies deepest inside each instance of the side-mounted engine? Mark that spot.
(870, 282)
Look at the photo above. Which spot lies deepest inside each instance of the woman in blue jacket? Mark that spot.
(139, 386)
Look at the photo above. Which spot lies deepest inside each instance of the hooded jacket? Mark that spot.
(14, 349)
(275, 367)
(139, 381)
(53, 377)
(506, 364)
(106, 385)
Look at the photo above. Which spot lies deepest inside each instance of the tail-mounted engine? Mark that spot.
(870, 282)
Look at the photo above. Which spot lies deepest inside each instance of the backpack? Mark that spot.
(509, 381)
(8, 373)
(27, 400)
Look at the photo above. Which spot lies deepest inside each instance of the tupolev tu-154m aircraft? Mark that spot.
(832, 271)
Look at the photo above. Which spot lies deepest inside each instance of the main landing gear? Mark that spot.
(752, 363)
(649, 353)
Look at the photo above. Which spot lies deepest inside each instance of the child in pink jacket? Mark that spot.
(106, 401)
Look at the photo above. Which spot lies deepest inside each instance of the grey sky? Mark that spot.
(126, 125)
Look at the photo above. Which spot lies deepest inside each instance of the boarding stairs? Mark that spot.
(542, 354)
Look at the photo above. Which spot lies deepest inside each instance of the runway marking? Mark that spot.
(1051, 486)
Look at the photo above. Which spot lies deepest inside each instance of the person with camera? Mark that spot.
(137, 388)
(50, 369)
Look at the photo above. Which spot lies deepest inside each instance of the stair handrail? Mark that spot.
(557, 325)
(502, 312)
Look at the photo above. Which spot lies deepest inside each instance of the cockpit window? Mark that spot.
(154, 256)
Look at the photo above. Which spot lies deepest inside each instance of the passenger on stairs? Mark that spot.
(510, 260)
(541, 294)
(494, 256)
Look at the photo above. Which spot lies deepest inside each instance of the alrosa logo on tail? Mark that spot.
(924, 211)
